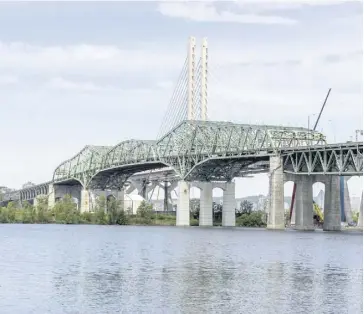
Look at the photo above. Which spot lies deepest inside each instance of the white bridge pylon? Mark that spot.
(190, 96)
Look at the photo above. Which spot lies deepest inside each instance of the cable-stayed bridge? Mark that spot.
(193, 150)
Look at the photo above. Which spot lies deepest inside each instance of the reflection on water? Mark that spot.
(104, 269)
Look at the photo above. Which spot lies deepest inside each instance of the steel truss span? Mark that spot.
(204, 150)
(339, 159)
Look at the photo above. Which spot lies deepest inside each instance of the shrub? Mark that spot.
(117, 215)
(254, 219)
(145, 212)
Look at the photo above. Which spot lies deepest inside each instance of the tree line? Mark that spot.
(111, 212)
(106, 212)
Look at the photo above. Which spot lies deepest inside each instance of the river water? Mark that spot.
(129, 269)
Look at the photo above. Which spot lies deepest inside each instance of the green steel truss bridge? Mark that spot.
(211, 151)
(196, 149)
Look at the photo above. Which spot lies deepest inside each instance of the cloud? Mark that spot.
(206, 12)
(82, 58)
(60, 83)
(295, 2)
(8, 80)
(335, 58)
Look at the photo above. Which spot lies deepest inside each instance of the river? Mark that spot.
(131, 269)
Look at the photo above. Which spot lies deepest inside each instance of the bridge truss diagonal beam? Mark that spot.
(345, 159)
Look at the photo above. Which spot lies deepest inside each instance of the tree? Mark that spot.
(43, 214)
(65, 211)
(100, 208)
(116, 213)
(145, 212)
(195, 208)
(29, 214)
(246, 207)
(254, 219)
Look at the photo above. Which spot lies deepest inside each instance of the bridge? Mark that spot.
(192, 150)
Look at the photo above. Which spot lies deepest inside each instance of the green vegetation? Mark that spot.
(111, 212)
(106, 212)
(252, 219)
(355, 216)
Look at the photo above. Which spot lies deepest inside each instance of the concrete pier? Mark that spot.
(276, 193)
(51, 196)
(228, 206)
(183, 205)
(85, 201)
(206, 204)
(304, 204)
(332, 212)
(346, 201)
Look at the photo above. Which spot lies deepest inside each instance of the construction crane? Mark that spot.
(322, 109)
(314, 128)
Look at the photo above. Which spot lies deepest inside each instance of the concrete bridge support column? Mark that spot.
(143, 189)
(85, 201)
(360, 220)
(276, 194)
(183, 205)
(304, 204)
(332, 212)
(345, 202)
(165, 203)
(51, 196)
(206, 204)
(228, 205)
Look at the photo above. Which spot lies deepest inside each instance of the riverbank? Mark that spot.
(105, 213)
(70, 215)
(21, 217)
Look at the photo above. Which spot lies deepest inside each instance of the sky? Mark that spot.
(97, 73)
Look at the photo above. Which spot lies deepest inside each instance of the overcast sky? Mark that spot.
(73, 74)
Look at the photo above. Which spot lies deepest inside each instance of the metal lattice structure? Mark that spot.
(82, 166)
(208, 143)
(122, 161)
(204, 150)
(338, 159)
